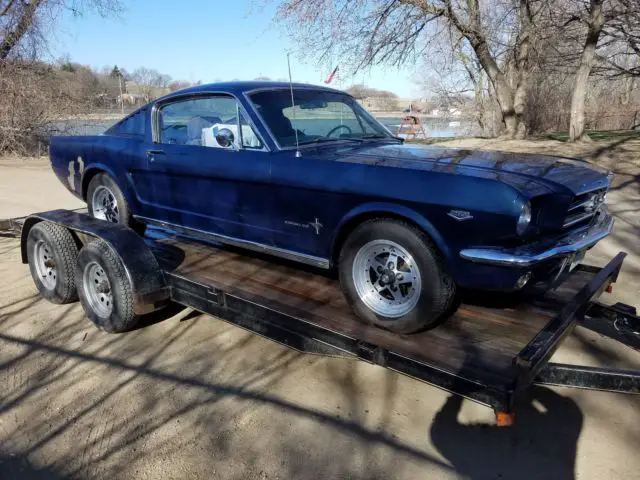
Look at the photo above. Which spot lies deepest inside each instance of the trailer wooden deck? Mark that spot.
(479, 340)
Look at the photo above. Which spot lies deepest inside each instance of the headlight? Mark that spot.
(525, 219)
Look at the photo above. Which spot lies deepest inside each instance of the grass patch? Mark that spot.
(596, 135)
(432, 140)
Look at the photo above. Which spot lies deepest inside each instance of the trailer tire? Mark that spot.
(102, 188)
(104, 288)
(393, 276)
(52, 252)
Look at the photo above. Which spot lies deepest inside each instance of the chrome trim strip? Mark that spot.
(573, 207)
(572, 221)
(236, 242)
(527, 256)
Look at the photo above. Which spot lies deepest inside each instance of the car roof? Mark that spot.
(239, 87)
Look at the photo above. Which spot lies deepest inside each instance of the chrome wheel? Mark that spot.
(45, 264)
(386, 278)
(105, 205)
(98, 289)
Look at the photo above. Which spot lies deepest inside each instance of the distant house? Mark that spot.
(133, 99)
(377, 104)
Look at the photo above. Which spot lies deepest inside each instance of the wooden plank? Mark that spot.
(480, 339)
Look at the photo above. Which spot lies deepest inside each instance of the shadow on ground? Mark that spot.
(186, 396)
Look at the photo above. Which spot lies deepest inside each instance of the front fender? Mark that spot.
(372, 209)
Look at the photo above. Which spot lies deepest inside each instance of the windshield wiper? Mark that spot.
(325, 139)
(380, 135)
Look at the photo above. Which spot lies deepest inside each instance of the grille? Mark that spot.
(584, 207)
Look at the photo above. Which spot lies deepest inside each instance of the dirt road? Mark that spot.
(189, 396)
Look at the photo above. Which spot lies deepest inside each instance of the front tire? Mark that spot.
(106, 201)
(393, 277)
(103, 287)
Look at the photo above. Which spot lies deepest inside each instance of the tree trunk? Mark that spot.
(595, 23)
(522, 69)
(480, 102)
(504, 92)
(12, 37)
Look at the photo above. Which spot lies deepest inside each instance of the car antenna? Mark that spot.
(293, 105)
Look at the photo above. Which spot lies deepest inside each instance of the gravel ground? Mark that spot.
(189, 396)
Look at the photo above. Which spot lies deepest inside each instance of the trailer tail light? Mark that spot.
(505, 419)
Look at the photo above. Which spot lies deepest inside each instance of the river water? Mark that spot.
(433, 127)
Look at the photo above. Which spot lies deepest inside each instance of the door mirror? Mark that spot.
(225, 138)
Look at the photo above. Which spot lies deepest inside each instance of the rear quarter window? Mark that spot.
(132, 126)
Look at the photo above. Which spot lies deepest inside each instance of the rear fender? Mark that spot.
(125, 186)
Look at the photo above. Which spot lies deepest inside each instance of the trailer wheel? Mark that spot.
(393, 276)
(52, 253)
(104, 289)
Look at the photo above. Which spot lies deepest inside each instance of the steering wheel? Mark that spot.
(335, 129)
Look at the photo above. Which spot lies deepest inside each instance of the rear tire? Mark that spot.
(104, 289)
(106, 201)
(52, 252)
(393, 276)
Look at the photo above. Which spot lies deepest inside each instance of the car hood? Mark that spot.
(535, 174)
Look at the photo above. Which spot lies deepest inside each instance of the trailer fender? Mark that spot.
(141, 267)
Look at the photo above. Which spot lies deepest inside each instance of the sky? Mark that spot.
(207, 40)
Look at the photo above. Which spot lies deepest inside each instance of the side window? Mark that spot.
(249, 138)
(198, 120)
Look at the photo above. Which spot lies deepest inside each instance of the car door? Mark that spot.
(193, 181)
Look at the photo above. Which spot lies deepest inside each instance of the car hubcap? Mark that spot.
(386, 278)
(105, 205)
(45, 264)
(98, 289)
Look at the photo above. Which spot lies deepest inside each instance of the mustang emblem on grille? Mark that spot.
(593, 203)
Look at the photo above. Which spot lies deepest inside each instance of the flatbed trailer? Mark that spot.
(489, 350)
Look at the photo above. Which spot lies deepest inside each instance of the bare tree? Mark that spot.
(22, 20)
(179, 85)
(500, 34)
(34, 94)
(150, 80)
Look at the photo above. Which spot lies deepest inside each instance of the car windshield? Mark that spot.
(318, 116)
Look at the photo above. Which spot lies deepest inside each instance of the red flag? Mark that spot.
(333, 74)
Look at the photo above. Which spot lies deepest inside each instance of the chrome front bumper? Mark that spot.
(527, 255)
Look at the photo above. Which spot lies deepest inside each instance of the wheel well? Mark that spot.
(354, 222)
(87, 178)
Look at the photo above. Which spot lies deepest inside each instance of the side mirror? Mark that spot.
(225, 138)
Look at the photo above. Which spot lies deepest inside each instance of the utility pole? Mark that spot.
(118, 74)
(121, 98)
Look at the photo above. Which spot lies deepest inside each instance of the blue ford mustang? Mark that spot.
(305, 173)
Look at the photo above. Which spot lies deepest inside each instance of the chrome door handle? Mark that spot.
(152, 153)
